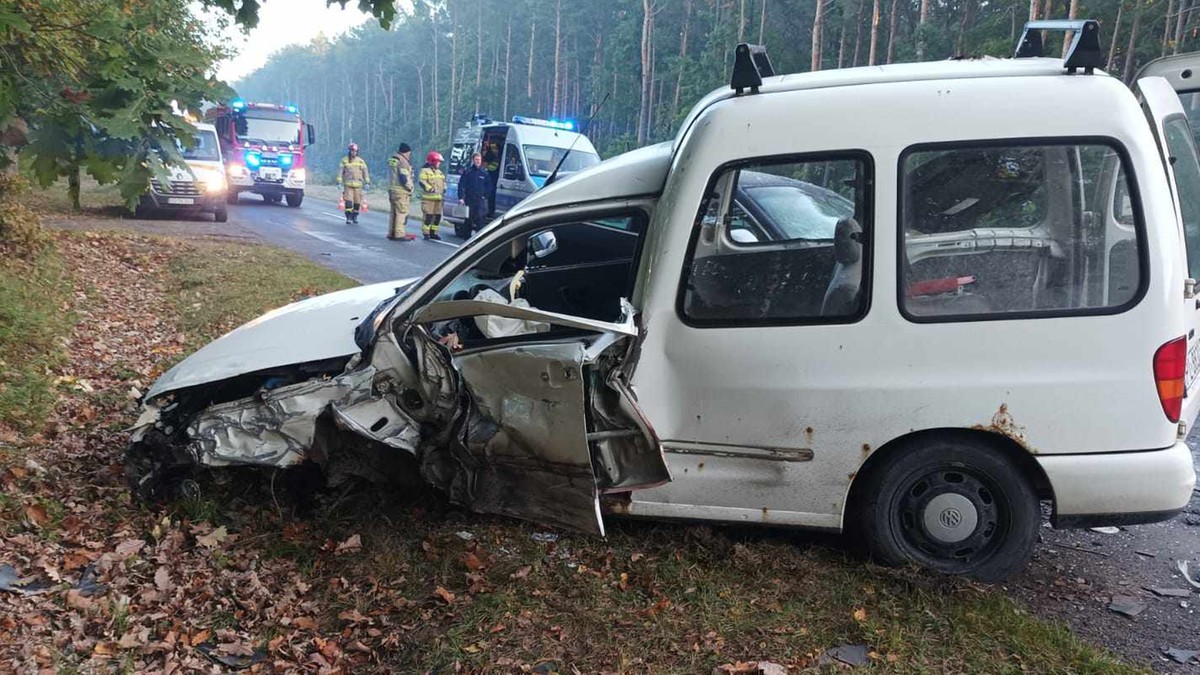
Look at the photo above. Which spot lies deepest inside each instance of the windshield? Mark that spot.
(801, 214)
(270, 130)
(542, 159)
(205, 148)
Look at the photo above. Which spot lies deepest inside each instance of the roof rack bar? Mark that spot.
(1084, 51)
(750, 66)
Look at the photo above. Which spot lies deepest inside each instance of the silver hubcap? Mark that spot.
(950, 517)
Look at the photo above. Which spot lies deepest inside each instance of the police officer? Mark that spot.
(352, 175)
(474, 187)
(433, 190)
(400, 189)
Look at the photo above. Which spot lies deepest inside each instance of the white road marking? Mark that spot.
(333, 240)
(443, 243)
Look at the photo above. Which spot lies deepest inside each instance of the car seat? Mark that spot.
(842, 294)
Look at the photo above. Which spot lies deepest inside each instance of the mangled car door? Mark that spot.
(534, 426)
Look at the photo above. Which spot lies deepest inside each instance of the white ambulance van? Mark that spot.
(914, 302)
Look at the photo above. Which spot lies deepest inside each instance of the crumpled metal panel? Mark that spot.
(520, 447)
(380, 420)
(276, 427)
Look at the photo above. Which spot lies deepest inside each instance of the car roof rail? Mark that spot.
(750, 66)
(1084, 51)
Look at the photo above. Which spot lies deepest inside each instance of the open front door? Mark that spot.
(1178, 146)
(538, 425)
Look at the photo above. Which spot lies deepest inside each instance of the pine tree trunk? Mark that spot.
(1070, 35)
(841, 43)
(1112, 47)
(529, 75)
(1127, 73)
(433, 90)
(741, 21)
(922, 19)
(1180, 23)
(818, 19)
(874, 32)
(507, 65)
(644, 106)
(960, 45)
(453, 75)
(891, 50)
(478, 54)
(762, 22)
(683, 50)
(858, 24)
(1166, 36)
(555, 106)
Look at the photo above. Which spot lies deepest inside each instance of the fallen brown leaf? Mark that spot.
(444, 594)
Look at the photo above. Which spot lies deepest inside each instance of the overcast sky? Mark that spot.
(282, 23)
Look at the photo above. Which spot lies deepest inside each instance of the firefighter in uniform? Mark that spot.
(400, 189)
(433, 189)
(352, 176)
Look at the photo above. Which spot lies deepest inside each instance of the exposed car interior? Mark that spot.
(581, 269)
(996, 230)
(774, 245)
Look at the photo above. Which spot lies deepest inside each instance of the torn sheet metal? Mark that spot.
(380, 420)
(457, 309)
(275, 427)
(520, 447)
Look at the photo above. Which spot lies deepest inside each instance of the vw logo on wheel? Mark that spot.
(950, 518)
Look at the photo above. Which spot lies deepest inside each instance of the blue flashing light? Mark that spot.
(565, 125)
(253, 159)
(292, 108)
(285, 159)
(238, 104)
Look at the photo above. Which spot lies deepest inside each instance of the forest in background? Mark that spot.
(437, 66)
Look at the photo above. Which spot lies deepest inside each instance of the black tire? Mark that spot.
(231, 197)
(900, 522)
(272, 199)
(295, 201)
(221, 214)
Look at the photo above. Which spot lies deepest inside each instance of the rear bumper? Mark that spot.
(1120, 488)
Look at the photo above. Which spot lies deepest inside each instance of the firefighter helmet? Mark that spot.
(434, 157)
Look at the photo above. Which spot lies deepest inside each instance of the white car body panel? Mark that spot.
(312, 329)
(842, 391)
(772, 424)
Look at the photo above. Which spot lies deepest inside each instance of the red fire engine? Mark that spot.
(264, 146)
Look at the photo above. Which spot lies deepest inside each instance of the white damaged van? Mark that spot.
(910, 301)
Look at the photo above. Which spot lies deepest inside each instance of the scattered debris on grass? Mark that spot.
(1127, 605)
(850, 655)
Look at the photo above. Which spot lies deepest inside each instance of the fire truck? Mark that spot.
(263, 145)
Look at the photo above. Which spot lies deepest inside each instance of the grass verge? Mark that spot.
(218, 286)
(34, 322)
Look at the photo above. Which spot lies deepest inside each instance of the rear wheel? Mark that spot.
(221, 214)
(295, 200)
(956, 506)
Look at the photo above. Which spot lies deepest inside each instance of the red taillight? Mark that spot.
(1170, 367)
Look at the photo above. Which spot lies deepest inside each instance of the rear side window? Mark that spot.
(1018, 230)
(1182, 148)
(781, 241)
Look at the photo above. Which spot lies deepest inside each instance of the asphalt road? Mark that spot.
(362, 252)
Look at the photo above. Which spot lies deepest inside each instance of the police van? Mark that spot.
(520, 155)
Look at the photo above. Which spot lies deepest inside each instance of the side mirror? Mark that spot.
(743, 236)
(543, 244)
(312, 134)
